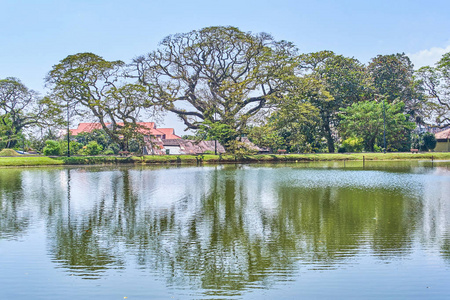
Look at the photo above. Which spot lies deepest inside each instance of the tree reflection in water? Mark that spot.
(13, 220)
(227, 229)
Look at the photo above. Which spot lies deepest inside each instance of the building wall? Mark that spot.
(442, 147)
(173, 149)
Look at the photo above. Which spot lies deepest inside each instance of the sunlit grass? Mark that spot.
(209, 158)
(30, 161)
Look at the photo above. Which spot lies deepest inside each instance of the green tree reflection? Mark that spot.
(13, 221)
(224, 229)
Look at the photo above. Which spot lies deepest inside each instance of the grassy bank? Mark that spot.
(192, 159)
(30, 161)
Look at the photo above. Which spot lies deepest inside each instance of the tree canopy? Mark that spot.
(225, 83)
(93, 86)
(216, 74)
(436, 82)
(21, 108)
(345, 81)
(365, 120)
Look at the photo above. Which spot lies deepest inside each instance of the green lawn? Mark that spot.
(192, 159)
(30, 161)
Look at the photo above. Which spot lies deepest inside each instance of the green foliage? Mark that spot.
(135, 145)
(52, 148)
(294, 125)
(342, 81)
(90, 85)
(37, 143)
(6, 131)
(93, 148)
(424, 142)
(239, 149)
(429, 141)
(392, 76)
(364, 120)
(221, 73)
(108, 152)
(436, 81)
(114, 148)
(266, 136)
(352, 144)
(98, 135)
(74, 147)
(21, 108)
(223, 133)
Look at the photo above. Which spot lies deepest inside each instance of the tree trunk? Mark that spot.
(329, 137)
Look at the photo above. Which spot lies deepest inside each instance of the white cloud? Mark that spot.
(427, 57)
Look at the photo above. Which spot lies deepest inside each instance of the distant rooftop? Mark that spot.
(146, 128)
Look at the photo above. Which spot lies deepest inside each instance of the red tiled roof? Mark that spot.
(443, 135)
(170, 133)
(145, 127)
(85, 127)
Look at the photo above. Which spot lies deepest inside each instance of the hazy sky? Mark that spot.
(37, 34)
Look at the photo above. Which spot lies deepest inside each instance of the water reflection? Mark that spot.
(14, 219)
(225, 229)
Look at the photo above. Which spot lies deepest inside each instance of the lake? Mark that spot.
(302, 230)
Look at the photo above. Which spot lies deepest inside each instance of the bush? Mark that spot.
(352, 144)
(108, 152)
(342, 150)
(114, 148)
(429, 141)
(93, 148)
(74, 147)
(424, 141)
(52, 148)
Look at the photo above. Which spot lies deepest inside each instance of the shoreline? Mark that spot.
(22, 161)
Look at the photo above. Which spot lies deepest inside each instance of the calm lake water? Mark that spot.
(311, 231)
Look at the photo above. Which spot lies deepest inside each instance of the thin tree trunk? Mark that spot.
(329, 137)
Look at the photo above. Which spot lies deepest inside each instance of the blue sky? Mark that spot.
(37, 34)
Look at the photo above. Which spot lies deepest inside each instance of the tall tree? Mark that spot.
(365, 120)
(21, 108)
(436, 82)
(93, 86)
(293, 123)
(216, 74)
(393, 79)
(343, 78)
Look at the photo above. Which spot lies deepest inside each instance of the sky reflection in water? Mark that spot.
(226, 231)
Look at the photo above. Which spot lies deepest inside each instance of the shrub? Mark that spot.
(108, 152)
(52, 148)
(74, 147)
(342, 150)
(352, 144)
(114, 148)
(93, 148)
(424, 141)
(429, 141)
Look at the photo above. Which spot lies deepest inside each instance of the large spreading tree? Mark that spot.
(216, 75)
(94, 87)
(436, 81)
(21, 108)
